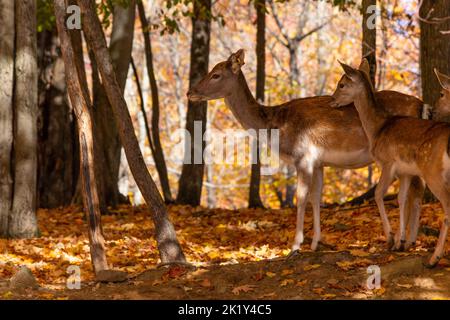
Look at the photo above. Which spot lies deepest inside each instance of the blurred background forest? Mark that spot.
(295, 68)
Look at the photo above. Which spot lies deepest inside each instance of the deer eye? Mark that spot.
(216, 76)
(442, 94)
(341, 85)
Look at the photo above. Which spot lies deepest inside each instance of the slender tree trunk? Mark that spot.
(79, 96)
(120, 48)
(254, 198)
(369, 49)
(23, 222)
(369, 40)
(154, 139)
(434, 53)
(58, 161)
(434, 48)
(191, 180)
(169, 248)
(7, 36)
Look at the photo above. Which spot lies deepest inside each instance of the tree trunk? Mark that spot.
(106, 134)
(7, 36)
(191, 180)
(79, 96)
(169, 248)
(434, 53)
(58, 161)
(369, 40)
(154, 138)
(23, 222)
(254, 199)
(434, 48)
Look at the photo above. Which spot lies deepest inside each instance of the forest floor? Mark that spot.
(237, 254)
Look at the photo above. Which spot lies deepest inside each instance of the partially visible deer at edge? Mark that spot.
(403, 147)
(312, 135)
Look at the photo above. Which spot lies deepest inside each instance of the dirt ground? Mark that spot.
(247, 268)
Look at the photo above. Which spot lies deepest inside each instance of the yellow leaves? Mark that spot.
(347, 265)
(301, 283)
(287, 272)
(270, 274)
(286, 282)
(244, 288)
(7, 295)
(311, 267)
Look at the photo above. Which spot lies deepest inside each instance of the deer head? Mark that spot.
(350, 86)
(219, 82)
(344, 97)
(441, 111)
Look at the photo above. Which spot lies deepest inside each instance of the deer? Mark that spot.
(312, 135)
(403, 147)
(441, 111)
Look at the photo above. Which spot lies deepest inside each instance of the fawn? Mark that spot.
(312, 134)
(402, 146)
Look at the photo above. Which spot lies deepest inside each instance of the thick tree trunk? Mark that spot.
(191, 180)
(79, 96)
(254, 199)
(23, 222)
(434, 47)
(7, 36)
(58, 159)
(107, 137)
(154, 138)
(169, 248)
(369, 40)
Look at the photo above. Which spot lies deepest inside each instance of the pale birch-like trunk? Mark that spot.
(23, 222)
(6, 109)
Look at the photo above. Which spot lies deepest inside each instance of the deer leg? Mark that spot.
(304, 180)
(414, 204)
(438, 252)
(405, 182)
(382, 186)
(315, 197)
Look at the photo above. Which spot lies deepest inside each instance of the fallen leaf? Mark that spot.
(301, 283)
(359, 253)
(270, 274)
(287, 272)
(285, 282)
(244, 288)
(311, 267)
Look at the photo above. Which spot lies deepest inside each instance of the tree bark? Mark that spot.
(169, 248)
(154, 138)
(79, 97)
(434, 48)
(58, 160)
(254, 199)
(191, 180)
(369, 40)
(107, 137)
(7, 36)
(23, 222)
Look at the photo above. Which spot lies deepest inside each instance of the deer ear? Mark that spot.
(364, 66)
(349, 71)
(443, 79)
(237, 60)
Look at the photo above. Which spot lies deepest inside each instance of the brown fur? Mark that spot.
(403, 147)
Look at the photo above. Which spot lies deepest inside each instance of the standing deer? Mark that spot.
(312, 135)
(403, 147)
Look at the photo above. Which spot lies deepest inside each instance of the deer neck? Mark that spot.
(244, 106)
(372, 118)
